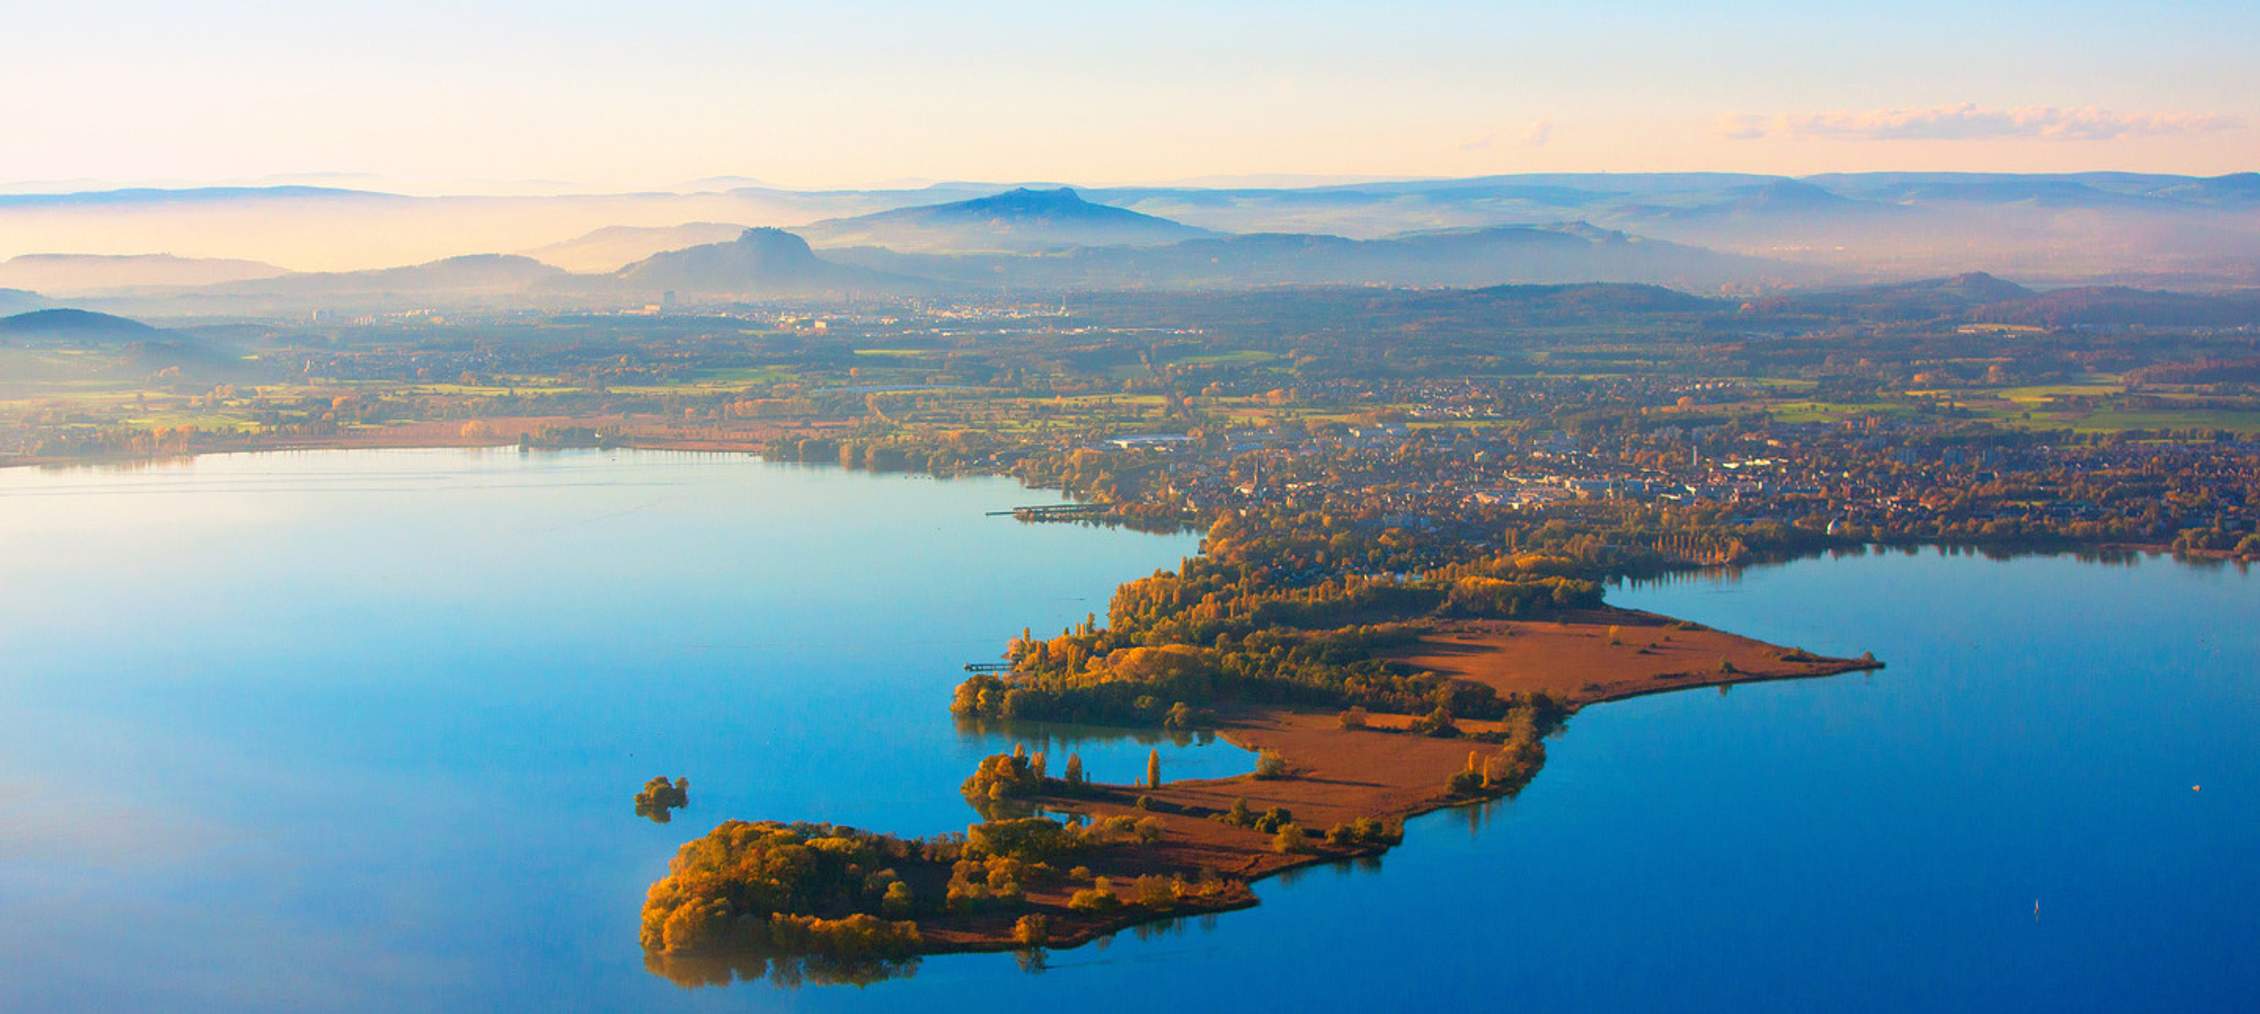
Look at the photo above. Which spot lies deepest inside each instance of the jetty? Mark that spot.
(1053, 511)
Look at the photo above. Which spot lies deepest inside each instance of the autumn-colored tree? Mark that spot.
(897, 901)
(1033, 930)
(1153, 768)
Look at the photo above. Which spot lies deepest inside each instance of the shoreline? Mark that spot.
(444, 434)
(1336, 775)
(1196, 800)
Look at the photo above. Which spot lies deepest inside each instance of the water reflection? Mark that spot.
(1354, 866)
(1480, 815)
(790, 971)
(1108, 753)
(2117, 556)
(1052, 737)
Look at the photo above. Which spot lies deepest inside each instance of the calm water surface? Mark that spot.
(359, 730)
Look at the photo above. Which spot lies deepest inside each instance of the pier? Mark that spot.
(1053, 512)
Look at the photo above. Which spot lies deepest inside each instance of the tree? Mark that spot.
(1154, 892)
(1099, 897)
(660, 798)
(1153, 768)
(1269, 764)
(998, 778)
(1033, 930)
(1436, 723)
(1074, 774)
(897, 900)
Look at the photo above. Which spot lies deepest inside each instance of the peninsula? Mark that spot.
(1329, 783)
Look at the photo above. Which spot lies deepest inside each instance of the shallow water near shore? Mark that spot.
(360, 729)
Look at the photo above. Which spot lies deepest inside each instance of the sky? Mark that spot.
(568, 96)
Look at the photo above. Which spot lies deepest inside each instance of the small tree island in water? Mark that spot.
(660, 798)
(1437, 699)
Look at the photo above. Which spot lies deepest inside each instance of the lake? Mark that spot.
(360, 730)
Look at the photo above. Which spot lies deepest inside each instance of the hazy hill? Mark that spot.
(1970, 298)
(106, 345)
(75, 328)
(1460, 257)
(1922, 299)
(1782, 218)
(333, 230)
(76, 274)
(487, 281)
(1591, 300)
(19, 301)
(1017, 221)
(2119, 305)
(760, 263)
(1983, 298)
(1775, 200)
(471, 274)
(616, 246)
(2054, 227)
(2095, 189)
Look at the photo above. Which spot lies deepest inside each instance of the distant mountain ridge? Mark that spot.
(2061, 228)
(124, 347)
(75, 274)
(1921, 299)
(467, 274)
(760, 263)
(617, 246)
(1574, 252)
(1022, 220)
(14, 301)
(76, 328)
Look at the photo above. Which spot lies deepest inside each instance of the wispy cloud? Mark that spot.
(1969, 122)
(1539, 132)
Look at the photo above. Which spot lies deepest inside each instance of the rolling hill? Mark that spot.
(2061, 228)
(1921, 299)
(102, 344)
(20, 301)
(80, 274)
(760, 263)
(617, 246)
(452, 277)
(1456, 257)
(1022, 220)
(74, 328)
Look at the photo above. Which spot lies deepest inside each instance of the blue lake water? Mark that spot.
(359, 730)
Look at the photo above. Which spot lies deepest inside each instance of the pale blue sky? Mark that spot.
(623, 95)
